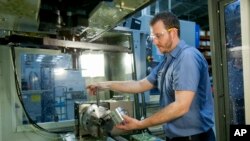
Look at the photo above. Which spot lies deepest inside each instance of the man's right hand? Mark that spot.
(92, 88)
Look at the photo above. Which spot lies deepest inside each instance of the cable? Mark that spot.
(19, 94)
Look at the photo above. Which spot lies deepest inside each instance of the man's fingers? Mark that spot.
(126, 118)
(92, 89)
(91, 92)
(121, 126)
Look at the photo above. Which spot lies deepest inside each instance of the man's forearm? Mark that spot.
(121, 86)
(178, 108)
(165, 115)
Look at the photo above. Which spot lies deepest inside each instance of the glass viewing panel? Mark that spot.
(50, 87)
(234, 62)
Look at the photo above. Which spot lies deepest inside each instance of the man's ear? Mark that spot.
(174, 33)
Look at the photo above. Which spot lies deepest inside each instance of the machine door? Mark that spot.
(231, 50)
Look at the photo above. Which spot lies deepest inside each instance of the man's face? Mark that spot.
(162, 37)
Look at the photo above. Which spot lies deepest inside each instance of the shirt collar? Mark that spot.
(176, 50)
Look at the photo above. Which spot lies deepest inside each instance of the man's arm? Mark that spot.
(180, 107)
(122, 86)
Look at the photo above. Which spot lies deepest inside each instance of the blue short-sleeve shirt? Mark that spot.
(185, 69)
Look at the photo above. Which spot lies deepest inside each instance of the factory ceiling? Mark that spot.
(191, 10)
(86, 20)
(77, 12)
(83, 20)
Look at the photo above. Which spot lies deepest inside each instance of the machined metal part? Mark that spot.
(117, 115)
(84, 45)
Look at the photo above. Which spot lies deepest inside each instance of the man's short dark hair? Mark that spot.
(169, 19)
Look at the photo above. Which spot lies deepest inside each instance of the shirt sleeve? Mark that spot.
(187, 72)
(152, 77)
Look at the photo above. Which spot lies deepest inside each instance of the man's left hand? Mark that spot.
(129, 123)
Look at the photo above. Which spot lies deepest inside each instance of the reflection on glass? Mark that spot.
(234, 60)
(49, 87)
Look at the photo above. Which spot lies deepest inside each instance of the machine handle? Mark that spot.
(97, 97)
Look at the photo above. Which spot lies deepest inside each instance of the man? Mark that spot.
(183, 81)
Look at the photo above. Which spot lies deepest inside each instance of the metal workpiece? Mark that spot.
(117, 115)
(84, 45)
